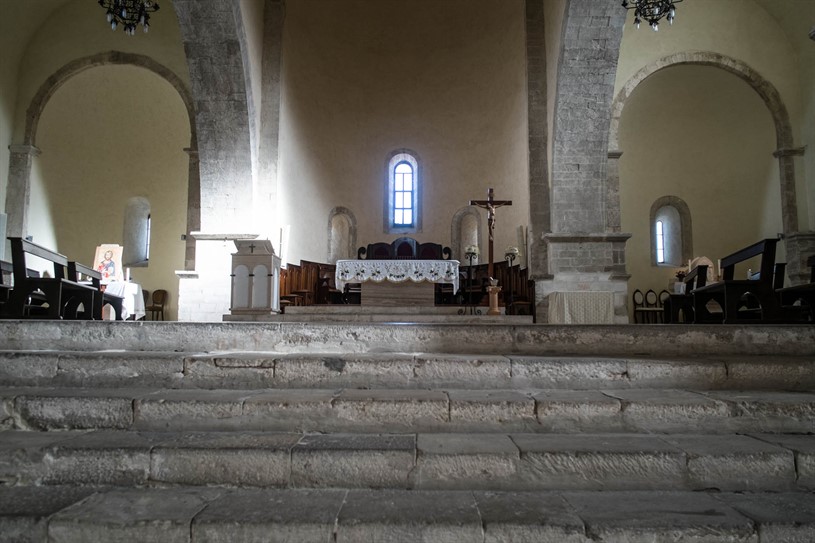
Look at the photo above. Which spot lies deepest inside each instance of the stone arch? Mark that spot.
(19, 177)
(58, 78)
(342, 234)
(766, 90)
(685, 225)
(465, 229)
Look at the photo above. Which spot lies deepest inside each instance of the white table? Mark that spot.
(581, 307)
(397, 282)
(133, 300)
(397, 271)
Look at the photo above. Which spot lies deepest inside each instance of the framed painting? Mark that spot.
(108, 262)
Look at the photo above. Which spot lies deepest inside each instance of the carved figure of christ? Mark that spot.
(490, 204)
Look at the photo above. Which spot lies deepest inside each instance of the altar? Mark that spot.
(405, 282)
(132, 300)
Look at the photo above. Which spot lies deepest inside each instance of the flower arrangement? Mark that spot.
(512, 251)
(680, 275)
(471, 250)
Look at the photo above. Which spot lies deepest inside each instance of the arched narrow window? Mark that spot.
(671, 242)
(136, 235)
(403, 199)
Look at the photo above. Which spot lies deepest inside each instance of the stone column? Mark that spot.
(539, 204)
(18, 195)
(193, 207)
(789, 204)
(586, 251)
(800, 246)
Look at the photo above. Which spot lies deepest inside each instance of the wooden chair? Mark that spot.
(290, 276)
(156, 307)
(309, 280)
(327, 291)
(682, 302)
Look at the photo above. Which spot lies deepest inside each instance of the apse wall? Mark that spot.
(362, 79)
(703, 135)
(109, 134)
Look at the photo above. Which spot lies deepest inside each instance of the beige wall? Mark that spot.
(705, 136)
(362, 79)
(108, 134)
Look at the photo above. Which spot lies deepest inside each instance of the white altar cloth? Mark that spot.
(397, 271)
(133, 303)
(581, 307)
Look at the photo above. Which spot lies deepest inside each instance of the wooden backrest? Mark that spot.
(404, 248)
(764, 248)
(21, 247)
(309, 275)
(696, 278)
(75, 270)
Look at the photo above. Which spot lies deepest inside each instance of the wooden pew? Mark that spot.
(62, 295)
(696, 278)
(5, 283)
(801, 294)
(101, 297)
(741, 300)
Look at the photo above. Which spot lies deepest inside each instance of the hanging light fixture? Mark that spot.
(652, 11)
(129, 14)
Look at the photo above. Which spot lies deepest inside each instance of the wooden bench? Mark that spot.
(683, 302)
(62, 295)
(800, 294)
(741, 300)
(101, 297)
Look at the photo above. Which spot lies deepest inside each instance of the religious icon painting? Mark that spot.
(108, 262)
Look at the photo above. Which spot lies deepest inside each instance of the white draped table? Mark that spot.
(133, 303)
(397, 282)
(581, 307)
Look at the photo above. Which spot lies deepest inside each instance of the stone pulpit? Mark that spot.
(255, 278)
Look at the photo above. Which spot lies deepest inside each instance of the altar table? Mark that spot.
(397, 282)
(133, 300)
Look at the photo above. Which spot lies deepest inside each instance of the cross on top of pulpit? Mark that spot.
(490, 204)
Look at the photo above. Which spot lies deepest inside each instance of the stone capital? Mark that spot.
(615, 154)
(215, 236)
(581, 237)
(192, 153)
(24, 149)
(789, 151)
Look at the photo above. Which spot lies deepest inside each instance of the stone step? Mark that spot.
(260, 370)
(394, 410)
(517, 461)
(337, 338)
(220, 515)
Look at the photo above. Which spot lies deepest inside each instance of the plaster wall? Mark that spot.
(741, 29)
(108, 134)
(713, 149)
(362, 79)
(78, 29)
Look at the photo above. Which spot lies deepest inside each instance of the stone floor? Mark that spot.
(328, 431)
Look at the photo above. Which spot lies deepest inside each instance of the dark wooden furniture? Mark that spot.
(101, 298)
(683, 302)
(407, 248)
(5, 283)
(741, 300)
(62, 295)
(156, 307)
(800, 297)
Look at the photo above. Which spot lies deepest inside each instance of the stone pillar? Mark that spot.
(586, 251)
(18, 195)
(204, 294)
(789, 204)
(800, 246)
(590, 262)
(539, 204)
(193, 207)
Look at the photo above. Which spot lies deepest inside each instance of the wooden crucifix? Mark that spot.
(490, 204)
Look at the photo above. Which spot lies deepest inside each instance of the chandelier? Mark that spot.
(129, 13)
(652, 11)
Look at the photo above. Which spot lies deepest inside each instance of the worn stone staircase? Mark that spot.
(406, 432)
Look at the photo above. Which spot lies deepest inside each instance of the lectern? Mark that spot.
(255, 278)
